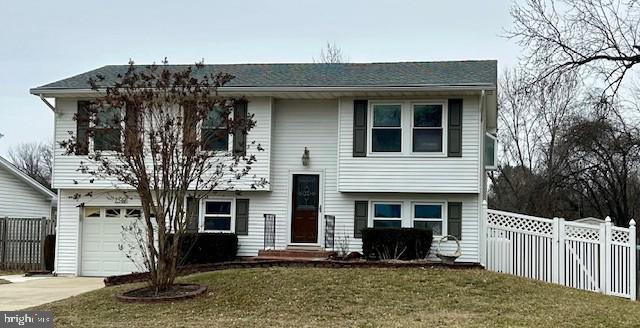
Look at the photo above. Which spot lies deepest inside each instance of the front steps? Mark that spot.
(295, 252)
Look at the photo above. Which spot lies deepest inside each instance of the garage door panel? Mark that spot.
(101, 255)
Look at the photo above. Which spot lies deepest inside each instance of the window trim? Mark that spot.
(102, 210)
(229, 149)
(443, 127)
(373, 218)
(370, 127)
(443, 217)
(92, 127)
(495, 152)
(202, 215)
(406, 126)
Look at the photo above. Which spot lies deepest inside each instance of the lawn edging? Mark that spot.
(248, 264)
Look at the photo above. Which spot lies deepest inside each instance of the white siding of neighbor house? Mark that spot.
(66, 174)
(411, 173)
(19, 199)
(297, 124)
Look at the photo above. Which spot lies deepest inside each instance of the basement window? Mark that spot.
(217, 216)
(387, 215)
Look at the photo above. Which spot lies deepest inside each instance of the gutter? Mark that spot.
(433, 87)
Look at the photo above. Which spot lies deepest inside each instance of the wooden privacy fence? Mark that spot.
(22, 242)
(599, 258)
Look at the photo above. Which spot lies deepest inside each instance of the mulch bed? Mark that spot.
(257, 263)
(148, 295)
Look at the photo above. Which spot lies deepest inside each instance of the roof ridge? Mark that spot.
(307, 63)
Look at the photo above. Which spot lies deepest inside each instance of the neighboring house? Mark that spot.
(23, 197)
(390, 145)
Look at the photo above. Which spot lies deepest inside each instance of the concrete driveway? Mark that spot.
(21, 295)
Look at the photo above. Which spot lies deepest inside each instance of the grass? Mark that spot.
(314, 297)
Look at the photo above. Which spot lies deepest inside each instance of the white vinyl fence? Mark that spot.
(599, 258)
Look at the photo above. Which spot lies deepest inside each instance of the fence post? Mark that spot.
(633, 289)
(603, 258)
(483, 234)
(607, 252)
(559, 250)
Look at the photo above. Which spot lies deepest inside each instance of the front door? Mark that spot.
(306, 199)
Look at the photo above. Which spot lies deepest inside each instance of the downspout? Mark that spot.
(482, 235)
(47, 102)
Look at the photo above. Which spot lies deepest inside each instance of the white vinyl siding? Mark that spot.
(418, 172)
(19, 199)
(65, 170)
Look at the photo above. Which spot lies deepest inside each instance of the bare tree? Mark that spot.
(35, 159)
(600, 37)
(156, 129)
(330, 54)
(531, 118)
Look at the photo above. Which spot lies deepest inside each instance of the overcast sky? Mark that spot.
(45, 41)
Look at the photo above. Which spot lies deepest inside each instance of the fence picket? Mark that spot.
(22, 242)
(596, 258)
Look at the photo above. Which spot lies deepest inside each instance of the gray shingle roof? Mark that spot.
(399, 74)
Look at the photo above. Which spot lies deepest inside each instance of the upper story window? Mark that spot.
(428, 128)
(387, 215)
(107, 129)
(217, 216)
(419, 125)
(429, 216)
(386, 130)
(490, 154)
(214, 132)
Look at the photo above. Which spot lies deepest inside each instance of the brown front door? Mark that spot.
(304, 220)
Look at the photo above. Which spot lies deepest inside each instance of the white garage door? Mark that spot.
(101, 237)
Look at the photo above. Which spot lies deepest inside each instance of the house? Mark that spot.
(389, 145)
(23, 197)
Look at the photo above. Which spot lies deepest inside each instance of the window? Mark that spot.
(133, 212)
(91, 212)
(386, 131)
(427, 128)
(490, 161)
(217, 215)
(214, 133)
(429, 216)
(107, 130)
(387, 215)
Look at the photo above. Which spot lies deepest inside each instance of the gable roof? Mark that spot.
(27, 179)
(398, 74)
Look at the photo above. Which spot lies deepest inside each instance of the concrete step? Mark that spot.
(295, 253)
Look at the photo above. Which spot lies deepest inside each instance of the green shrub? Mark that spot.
(205, 248)
(396, 243)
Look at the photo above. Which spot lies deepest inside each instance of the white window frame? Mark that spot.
(495, 152)
(372, 210)
(443, 217)
(443, 127)
(406, 126)
(92, 125)
(370, 127)
(103, 212)
(229, 138)
(203, 215)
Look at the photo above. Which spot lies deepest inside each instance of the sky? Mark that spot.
(45, 41)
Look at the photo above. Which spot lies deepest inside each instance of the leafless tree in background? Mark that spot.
(331, 54)
(598, 37)
(35, 159)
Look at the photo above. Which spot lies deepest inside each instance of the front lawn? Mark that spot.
(314, 297)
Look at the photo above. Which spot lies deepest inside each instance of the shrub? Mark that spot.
(396, 243)
(205, 248)
(49, 251)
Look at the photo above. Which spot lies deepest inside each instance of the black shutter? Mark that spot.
(454, 220)
(359, 128)
(454, 141)
(360, 217)
(193, 214)
(242, 217)
(240, 133)
(82, 127)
